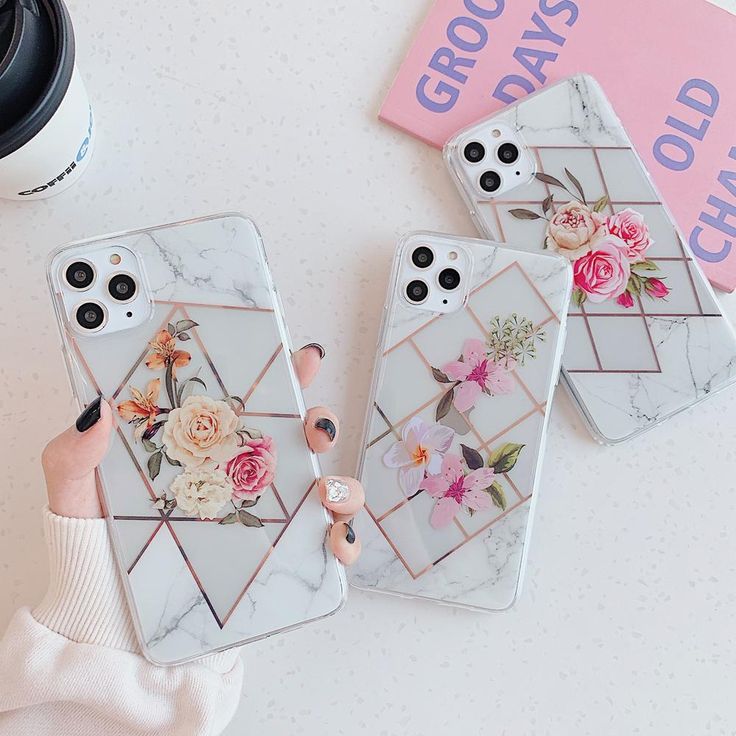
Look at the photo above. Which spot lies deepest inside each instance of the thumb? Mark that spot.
(70, 459)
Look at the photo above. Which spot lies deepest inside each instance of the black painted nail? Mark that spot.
(90, 416)
(316, 346)
(327, 426)
(349, 534)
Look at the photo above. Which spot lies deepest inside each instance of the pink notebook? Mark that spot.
(666, 65)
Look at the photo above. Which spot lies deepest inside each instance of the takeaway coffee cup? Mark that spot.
(46, 125)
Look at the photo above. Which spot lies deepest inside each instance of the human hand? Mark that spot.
(69, 461)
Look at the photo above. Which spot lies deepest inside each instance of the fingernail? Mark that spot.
(337, 491)
(317, 347)
(327, 426)
(349, 534)
(90, 416)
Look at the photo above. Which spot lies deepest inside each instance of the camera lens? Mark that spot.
(422, 257)
(90, 315)
(490, 181)
(417, 291)
(449, 279)
(474, 152)
(507, 153)
(79, 275)
(122, 287)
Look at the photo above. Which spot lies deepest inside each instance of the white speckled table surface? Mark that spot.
(626, 623)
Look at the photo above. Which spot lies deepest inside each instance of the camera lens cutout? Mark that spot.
(122, 287)
(422, 257)
(417, 291)
(508, 153)
(490, 181)
(90, 315)
(474, 152)
(449, 279)
(79, 275)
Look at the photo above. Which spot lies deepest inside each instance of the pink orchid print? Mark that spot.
(455, 490)
(476, 373)
(419, 450)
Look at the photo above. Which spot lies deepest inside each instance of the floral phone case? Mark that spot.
(646, 337)
(209, 486)
(455, 432)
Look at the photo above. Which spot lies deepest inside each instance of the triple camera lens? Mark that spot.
(422, 257)
(508, 153)
(79, 275)
(417, 291)
(121, 287)
(490, 181)
(474, 152)
(449, 279)
(90, 315)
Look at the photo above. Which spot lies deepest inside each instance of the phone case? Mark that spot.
(461, 538)
(646, 337)
(216, 341)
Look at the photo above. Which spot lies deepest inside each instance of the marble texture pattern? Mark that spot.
(626, 623)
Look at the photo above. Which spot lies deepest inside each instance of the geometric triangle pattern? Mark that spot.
(223, 559)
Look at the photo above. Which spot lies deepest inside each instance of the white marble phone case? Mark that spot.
(646, 337)
(256, 564)
(449, 466)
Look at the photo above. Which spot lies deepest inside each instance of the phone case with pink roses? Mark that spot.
(646, 337)
(455, 431)
(219, 543)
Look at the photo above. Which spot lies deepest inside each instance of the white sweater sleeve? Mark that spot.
(72, 665)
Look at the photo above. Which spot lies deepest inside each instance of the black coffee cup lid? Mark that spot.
(27, 52)
(36, 62)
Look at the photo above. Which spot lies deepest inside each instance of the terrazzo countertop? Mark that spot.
(626, 623)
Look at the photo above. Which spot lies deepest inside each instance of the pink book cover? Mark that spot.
(666, 66)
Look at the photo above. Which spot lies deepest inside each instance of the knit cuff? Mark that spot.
(85, 601)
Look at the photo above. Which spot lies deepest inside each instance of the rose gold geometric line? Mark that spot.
(420, 353)
(421, 408)
(603, 180)
(692, 280)
(129, 449)
(472, 536)
(193, 573)
(269, 414)
(501, 233)
(212, 306)
(538, 293)
(145, 352)
(145, 546)
(434, 319)
(263, 561)
(461, 527)
(584, 315)
(195, 334)
(649, 335)
(394, 547)
(541, 170)
(399, 505)
(262, 373)
(613, 370)
(513, 485)
(379, 438)
(87, 369)
(278, 498)
(521, 419)
(386, 419)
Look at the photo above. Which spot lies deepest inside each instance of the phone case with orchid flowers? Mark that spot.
(209, 487)
(646, 336)
(455, 431)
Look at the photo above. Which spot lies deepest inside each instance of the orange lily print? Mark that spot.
(142, 409)
(165, 354)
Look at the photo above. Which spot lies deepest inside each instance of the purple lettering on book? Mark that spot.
(438, 90)
(674, 151)
(532, 58)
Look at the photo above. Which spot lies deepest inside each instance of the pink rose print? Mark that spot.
(252, 470)
(656, 288)
(629, 226)
(420, 449)
(603, 273)
(477, 373)
(573, 230)
(454, 490)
